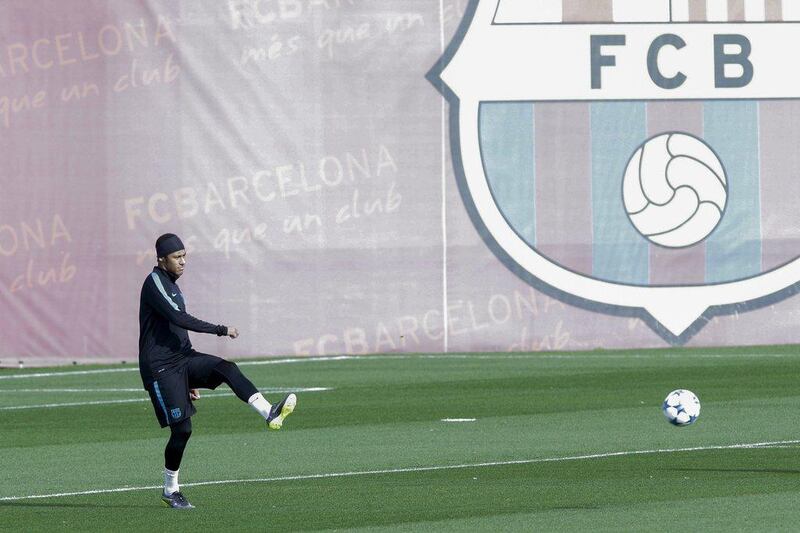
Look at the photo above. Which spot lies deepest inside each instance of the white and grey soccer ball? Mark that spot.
(675, 190)
(681, 407)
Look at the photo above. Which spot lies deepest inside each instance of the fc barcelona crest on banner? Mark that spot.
(634, 157)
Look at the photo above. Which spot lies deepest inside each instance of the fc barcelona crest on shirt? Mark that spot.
(633, 157)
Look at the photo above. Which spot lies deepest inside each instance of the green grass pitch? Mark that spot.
(572, 441)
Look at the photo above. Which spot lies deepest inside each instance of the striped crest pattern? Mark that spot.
(555, 168)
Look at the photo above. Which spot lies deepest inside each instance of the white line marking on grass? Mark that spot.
(68, 373)
(459, 419)
(140, 389)
(71, 404)
(413, 469)
(306, 360)
(146, 399)
(592, 355)
(132, 369)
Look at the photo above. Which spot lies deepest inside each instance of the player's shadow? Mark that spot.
(744, 470)
(72, 505)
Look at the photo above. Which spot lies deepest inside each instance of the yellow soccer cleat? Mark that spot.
(280, 411)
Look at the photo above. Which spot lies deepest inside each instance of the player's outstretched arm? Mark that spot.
(169, 309)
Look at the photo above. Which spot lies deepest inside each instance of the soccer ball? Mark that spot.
(674, 190)
(681, 407)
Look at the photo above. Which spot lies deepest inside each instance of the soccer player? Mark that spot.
(172, 372)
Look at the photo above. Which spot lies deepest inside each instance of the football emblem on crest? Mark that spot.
(674, 190)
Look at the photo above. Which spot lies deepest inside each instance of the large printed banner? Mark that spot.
(377, 176)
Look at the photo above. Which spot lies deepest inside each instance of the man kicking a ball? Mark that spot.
(172, 371)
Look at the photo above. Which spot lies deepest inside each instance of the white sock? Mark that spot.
(260, 404)
(170, 481)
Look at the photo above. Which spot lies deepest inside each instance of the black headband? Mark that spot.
(167, 244)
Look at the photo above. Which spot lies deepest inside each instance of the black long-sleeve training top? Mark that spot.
(163, 323)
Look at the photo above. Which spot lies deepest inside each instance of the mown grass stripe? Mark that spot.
(413, 469)
(146, 399)
(647, 354)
